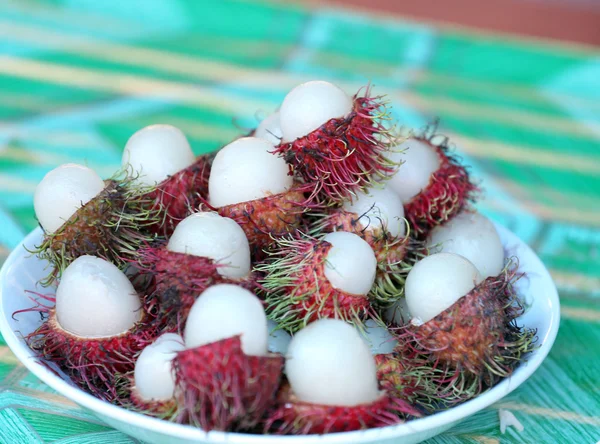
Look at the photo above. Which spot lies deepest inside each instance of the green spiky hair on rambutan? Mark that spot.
(113, 225)
(477, 341)
(128, 397)
(297, 290)
(395, 254)
(449, 191)
(346, 154)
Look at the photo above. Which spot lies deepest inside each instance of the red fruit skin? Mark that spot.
(270, 217)
(179, 280)
(448, 192)
(293, 416)
(343, 155)
(218, 387)
(91, 363)
(307, 295)
(179, 195)
(478, 333)
(161, 409)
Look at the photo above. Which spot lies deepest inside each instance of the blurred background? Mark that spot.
(514, 83)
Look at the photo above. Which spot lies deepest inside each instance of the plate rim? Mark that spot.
(180, 431)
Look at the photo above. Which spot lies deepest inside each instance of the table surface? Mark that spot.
(77, 78)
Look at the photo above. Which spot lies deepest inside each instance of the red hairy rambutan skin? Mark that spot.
(179, 195)
(179, 280)
(478, 335)
(293, 416)
(218, 387)
(297, 290)
(270, 217)
(91, 363)
(449, 190)
(344, 155)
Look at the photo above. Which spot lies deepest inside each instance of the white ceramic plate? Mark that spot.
(21, 272)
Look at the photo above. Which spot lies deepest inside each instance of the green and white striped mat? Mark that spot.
(78, 77)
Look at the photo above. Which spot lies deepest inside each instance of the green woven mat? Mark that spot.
(78, 77)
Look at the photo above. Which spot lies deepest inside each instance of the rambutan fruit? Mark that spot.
(431, 182)
(306, 279)
(333, 385)
(473, 236)
(205, 249)
(334, 141)
(83, 215)
(226, 379)
(161, 161)
(252, 186)
(465, 324)
(96, 328)
(151, 385)
(377, 216)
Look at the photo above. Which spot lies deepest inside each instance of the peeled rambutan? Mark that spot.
(97, 327)
(472, 334)
(306, 279)
(334, 141)
(205, 249)
(150, 388)
(160, 159)
(83, 215)
(226, 379)
(332, 385)
(252, 186)
(431, 182)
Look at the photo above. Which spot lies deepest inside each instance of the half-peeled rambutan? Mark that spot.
(438, 185)
(334, 141)
(306, 279)
(111, 225)
(477, 340)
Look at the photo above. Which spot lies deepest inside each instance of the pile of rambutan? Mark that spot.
(324, 274)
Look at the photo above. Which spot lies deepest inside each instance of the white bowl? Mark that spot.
(21, 272)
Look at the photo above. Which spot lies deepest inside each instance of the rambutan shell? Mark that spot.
(218, 387)
(293, 416)
(91, 363)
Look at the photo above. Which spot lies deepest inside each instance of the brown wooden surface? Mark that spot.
(567, 20)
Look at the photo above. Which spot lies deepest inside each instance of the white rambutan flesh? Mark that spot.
(329, 363)
(473, 236)
(350, 264)
(153, 373)
(62, 192)
(219, 238)
(224, 311)
(310, 105)
(420, 162)
(270, 129)
(95, 299)
(245, 170)
(379, 209)
(378, 338)
(436, 282)
(156, 152)
(279, 340)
